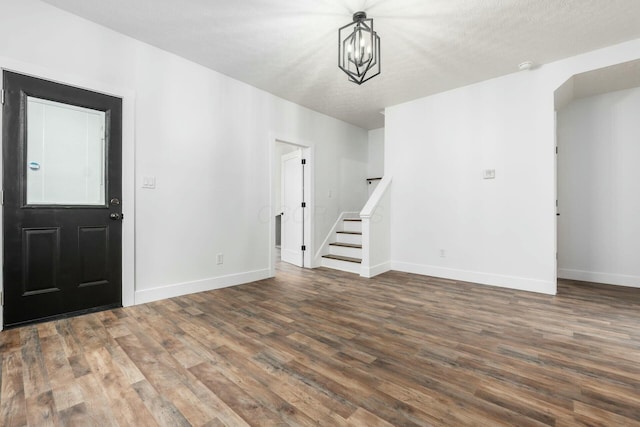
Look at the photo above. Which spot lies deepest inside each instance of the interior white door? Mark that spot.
(292, 211)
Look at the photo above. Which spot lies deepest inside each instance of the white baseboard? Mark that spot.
(597, 277)
(178, 289)
(511, 282)
(375, 270)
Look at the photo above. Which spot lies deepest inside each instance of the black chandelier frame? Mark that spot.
(366, 70)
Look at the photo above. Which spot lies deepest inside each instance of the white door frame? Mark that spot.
(309, 185)
(128, 162)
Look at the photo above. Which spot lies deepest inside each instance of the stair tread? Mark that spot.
(343, 258)
(346, 245)
(353, 219)
(349, 232)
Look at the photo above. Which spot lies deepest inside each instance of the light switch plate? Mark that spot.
(149, 182)
(489, 174)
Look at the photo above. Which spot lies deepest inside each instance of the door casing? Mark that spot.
(128, 163)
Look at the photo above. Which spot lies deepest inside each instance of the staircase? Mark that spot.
(356, 243)
(346, 252)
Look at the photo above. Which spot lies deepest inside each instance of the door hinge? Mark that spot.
(556, 149)
(2, 299)
(304, 248)
(2, 97)
(304, 204)
(304, 161)
(2, 197)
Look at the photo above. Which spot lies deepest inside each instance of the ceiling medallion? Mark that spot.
(359, 49)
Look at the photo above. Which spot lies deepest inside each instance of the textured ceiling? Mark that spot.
(289, 47)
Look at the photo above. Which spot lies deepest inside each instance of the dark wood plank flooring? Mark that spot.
(328, 348)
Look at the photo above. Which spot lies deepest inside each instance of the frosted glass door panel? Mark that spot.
(65, 154)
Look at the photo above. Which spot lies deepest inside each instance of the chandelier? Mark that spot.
(359, 49)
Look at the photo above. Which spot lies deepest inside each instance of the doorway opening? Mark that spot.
(597, 179)
(291, 221)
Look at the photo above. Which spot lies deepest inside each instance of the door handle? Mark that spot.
(116, 216)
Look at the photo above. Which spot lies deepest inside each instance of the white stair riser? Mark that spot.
(355, 239)
(352, 226)
(336, 264)
(344, 251)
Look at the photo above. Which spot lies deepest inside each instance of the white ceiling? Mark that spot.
(289, 47)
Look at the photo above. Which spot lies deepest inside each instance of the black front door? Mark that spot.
(62, 182)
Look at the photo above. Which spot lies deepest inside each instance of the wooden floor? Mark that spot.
(327, 348)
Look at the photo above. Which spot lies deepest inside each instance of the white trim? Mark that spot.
(382, 223)
(599, 277)
(309, 225)
(129, 200)
(511, 282)
(308, 153)
(369, 272)
(128, 160)
(336, 264)
(185, 288)
(374, 200)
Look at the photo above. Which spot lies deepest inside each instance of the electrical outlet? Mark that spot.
(489, 174)
(443, 253)
(220, 259)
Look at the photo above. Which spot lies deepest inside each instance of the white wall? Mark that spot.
(500, 232)
(599, 188)
(375, 168)
(205, 137)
